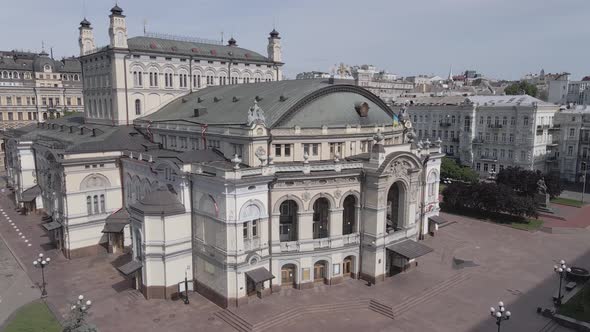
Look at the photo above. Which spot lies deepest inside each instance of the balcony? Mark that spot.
(495, 126)
(445, 124)
(555, 127)
(552, 159)
(353, 238)
(478, 141)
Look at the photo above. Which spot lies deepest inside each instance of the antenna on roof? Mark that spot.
(144, 26)
(221, 37)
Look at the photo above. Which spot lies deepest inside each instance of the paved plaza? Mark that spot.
(474, 264)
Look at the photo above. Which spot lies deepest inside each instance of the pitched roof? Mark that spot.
(159, 202)
(325, 103)
(190, 48)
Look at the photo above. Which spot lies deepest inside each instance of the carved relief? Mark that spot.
(338, 194)
(306, 196)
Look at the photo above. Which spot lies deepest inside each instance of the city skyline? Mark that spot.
(338, 32)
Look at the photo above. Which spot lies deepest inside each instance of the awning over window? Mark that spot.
(31, 193)
(115, 223)
(51, 225)
(409, 249)
(130, 268)
(437, 220)
(259, 275)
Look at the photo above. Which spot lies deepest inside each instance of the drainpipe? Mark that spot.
(422, 203)
(190, 195)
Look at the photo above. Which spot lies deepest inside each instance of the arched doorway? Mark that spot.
(348, 267)
(320, 271)
(288, 275)
(288, 221)
(395, 207)
(321, 213)
(349, 215)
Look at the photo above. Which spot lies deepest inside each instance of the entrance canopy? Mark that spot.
(31, 193)
(51, 225)
(260, 275)
(437, 220)
(409, 249)
(116, 222)
(130, 268)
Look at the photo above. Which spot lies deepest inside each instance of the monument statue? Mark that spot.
(541, 186)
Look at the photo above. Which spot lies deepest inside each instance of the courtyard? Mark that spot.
(474, 265)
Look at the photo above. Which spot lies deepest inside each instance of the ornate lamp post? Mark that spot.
(42, 263)
(501, 314)
(81, 305)
(562, 270)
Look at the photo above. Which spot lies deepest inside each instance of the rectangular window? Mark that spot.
(102, 204)
(10, 116)
(522, 155)
(89, 204)
(79, 101)
(504, 137)
(183, 143)
(254, 228)
(8, 100)
(502, 154)
(19, 100)
(194, 144)
(96, 210)
(238, 149)
(570, 150)
(572, 132)
(172, 140)
(336, 149)
(512, 121)
(501, 167)
(287, 150)
(278, 150)
(69, 101)
(525, 121)
(478, 167)
(511, 138)
(245, 230)
(485, 167)
(20, 116)
(510, 154)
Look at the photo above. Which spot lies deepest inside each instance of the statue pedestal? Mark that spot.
(543, 201)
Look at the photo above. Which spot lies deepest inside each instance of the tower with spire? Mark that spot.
(117, 28)
(274, 46)
(86, 38)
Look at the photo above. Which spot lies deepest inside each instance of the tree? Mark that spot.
(449, 169)
(525, 181)
(521, 88)
(487, 198)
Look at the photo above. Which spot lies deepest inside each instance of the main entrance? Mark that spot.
(319, 272)
(288, 276)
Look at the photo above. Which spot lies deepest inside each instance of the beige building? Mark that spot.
(571, 151)
(243, 189)
(133, 77)
(487, 133)
(35, 87)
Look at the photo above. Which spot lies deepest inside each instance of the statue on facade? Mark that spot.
(404, 119)
(256, 115)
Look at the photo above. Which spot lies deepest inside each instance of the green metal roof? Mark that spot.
(306, 103)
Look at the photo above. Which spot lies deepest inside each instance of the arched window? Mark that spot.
(102, 204)
(153, 78)
(288, 221)
(76, 77)
(168, 79)
(321, 210)
(137, 107)
(15, 75)
(137, 78)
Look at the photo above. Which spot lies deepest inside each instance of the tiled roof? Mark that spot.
(159, 202)
(195, 49)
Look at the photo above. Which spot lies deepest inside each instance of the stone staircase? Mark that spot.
(430, 293)
(242, 325)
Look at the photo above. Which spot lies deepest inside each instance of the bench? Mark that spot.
(570, 285)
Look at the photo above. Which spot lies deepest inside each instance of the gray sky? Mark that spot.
(499, 38)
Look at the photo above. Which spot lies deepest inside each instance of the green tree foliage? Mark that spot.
(521, 88)
(451, 170)
(525, 181)
(487, 197)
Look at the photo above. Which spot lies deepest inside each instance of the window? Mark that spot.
(495, 153)
(20, 116)
(485, 167)
(453, 119)
(238, 149)
(196, 81)
(69, 101)
(153, 78)
(11, 117)
(523, 155)
(102, 204)
(245, 230)
(8, 100)
(182, 80)
(511, 138)
(278, 150)
(489, 121)
(495, 137)
(183, 143)
(497, 121)
(512, 121)
(168, 80)
(254, 228)
(78, 101)
(137, 78)
(525, 121)
(487, 137)
(336, 149)
(494, 168)
(503, 137)
(89, 204)
(312, 149)
(570, 150)
(481, 120)
(451, 150)
(572, 132)
(478, 167)
(510, 154)
(19, 100)
(504, 121)
(96, 210)
(502, 154)
(194, 144)
(137, 107)
(287, 150)
(172, 140)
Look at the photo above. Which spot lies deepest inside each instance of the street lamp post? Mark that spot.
(584, 169)
(186, 300)
(41, 263)
(562, 270)
(501, 314)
